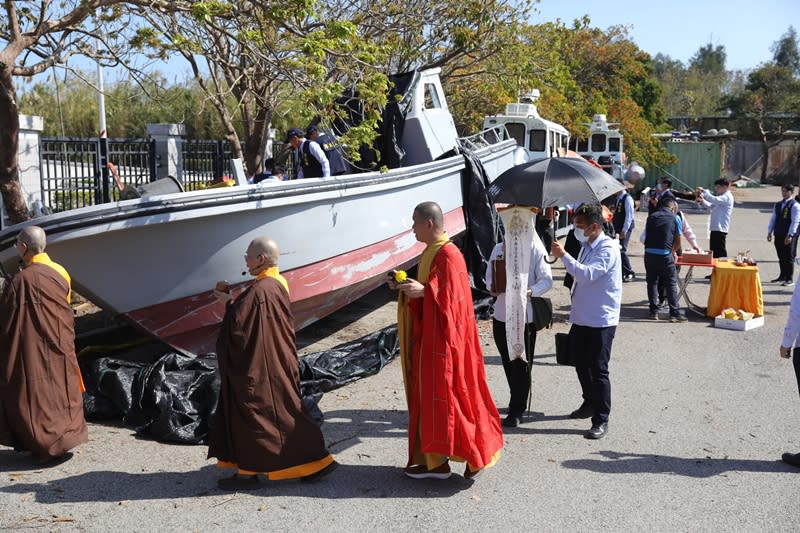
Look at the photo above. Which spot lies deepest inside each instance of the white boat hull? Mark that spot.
(155, 260)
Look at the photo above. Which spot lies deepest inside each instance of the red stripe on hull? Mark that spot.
(191, 324)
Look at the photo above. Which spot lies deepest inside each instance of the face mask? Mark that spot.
(581, 236)
(659, 187)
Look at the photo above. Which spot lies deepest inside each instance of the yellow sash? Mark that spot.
(273, 272)
(44, 259)
(403, 313)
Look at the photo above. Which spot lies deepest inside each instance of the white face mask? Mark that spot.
(581, 236)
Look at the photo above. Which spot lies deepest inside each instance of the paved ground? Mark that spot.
(700, 418)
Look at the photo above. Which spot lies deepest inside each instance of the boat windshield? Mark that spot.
(598, 142)
(432, 100)
(517, 132)
(537, 140)
(579, 145)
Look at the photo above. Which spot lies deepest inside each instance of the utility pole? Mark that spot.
(103, 133)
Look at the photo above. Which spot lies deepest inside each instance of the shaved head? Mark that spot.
(266, 247)
(34, 238)
(431, 211)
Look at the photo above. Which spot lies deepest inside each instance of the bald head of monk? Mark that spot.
(428, 222)
(262, 253)
(31, 240)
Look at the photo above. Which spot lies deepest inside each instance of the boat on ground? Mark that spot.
(155, 260)
(539, 137)
(604, 146)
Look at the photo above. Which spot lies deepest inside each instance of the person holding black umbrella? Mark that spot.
(596, 296)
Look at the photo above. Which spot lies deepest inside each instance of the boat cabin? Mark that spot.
(539, 137)
(604, 145)
(429, 130)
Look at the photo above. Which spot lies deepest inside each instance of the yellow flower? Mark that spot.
(400, 276)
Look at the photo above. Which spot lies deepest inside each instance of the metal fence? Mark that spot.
(72, 173)
(204, 161)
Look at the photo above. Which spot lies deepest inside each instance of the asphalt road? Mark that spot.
(699, 420)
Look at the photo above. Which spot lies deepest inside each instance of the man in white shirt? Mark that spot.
(596, 297)
(790, 337)
(518, 372)
(313, 161)
(721, 205)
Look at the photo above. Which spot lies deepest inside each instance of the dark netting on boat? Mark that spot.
(171, 397)
(481, 220)
(386, 150)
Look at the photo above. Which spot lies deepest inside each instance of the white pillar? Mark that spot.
(169, 145)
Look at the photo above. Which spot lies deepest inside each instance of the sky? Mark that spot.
(679, 28)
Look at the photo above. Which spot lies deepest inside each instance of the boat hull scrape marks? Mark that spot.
(191, 324)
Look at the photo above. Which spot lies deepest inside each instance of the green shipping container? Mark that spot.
(699, 164)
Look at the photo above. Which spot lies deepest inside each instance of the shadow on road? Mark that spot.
(348, 481)
(634, 463)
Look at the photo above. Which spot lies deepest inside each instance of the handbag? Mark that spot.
(563, 353)
(499, 275)
(542, 312)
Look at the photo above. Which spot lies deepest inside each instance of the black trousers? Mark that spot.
(717, 244)
(591, 351)
(518, 372)
(627, 269)
(661, 276)
(796, 361)
(786, 255)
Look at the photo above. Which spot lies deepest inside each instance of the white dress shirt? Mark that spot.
(540, 278)
(721, 209)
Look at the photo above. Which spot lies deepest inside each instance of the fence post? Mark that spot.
(219, 160)
(153, 160)
(102, 169)
(168, 140)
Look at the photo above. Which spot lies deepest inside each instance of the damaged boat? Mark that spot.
(155, 260)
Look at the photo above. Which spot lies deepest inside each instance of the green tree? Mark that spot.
(768, 104)
(268, 57)
(69, 107)
(709, 60)
(604, 72)
(671, 75)
(786, 53)
(35, 36)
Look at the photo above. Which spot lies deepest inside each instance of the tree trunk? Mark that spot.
(13, 199)
(254, 157)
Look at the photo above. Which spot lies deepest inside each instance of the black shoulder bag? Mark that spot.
(542, 312)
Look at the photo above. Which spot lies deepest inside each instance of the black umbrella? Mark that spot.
(553, 181)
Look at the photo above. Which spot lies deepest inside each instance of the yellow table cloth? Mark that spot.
(734, 286)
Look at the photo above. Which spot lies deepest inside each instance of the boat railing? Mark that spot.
(485, 138)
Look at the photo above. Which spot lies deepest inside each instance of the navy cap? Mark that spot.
(294, 132)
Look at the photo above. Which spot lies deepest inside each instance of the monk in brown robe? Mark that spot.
(260, 426)
(452, 416)
(41, 401)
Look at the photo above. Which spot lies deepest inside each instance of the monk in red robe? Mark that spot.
(260, 426)
(41, 401)
(452, 416)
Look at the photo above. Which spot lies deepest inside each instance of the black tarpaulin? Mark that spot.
(171, 397)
